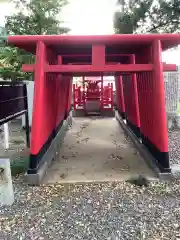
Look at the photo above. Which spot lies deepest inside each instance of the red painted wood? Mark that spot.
(128, 40)
(106, 68)
(98, 55)
(36, 141)
(143, 96)
(169, 67)
(160, 138)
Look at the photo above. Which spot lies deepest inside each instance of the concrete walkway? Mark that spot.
(96, 149)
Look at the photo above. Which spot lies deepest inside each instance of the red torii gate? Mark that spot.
(135, 60)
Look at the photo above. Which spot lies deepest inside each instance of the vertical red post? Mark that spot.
(131, 100)
(145, 86)
(66, 84)
(161, 135)
(39, 78)
(120, 96)
(102, 93)
(112, 96)
(70, 95)
(74, 95)
(152, 106)
(135, 92)
(61, 101)
(117, 92)
(44, 111)
(98, 55)
(57, 94)
(62, 94)
(83, 95)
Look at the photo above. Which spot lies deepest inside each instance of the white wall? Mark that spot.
(30, 95)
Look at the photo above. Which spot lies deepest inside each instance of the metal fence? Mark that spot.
(13, 103)
(172, 92)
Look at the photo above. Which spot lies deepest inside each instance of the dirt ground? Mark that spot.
(96, 149)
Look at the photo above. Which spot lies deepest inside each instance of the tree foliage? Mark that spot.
(34, 17)
(147, 16)
(11, 60)
(37, 17)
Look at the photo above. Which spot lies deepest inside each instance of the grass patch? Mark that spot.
(19, 165)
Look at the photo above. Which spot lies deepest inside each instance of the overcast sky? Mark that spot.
(82, 16)
(88, 17)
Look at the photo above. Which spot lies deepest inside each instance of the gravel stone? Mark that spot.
(117, 210)
(174, 146)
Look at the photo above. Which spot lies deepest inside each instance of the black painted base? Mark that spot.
(162, 158)
(37, 160)
(153, 157)
(134, 128)
(122, 114)
(103, 113)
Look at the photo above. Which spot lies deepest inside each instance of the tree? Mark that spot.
(34, 17)
(147, 16)
(11, 60)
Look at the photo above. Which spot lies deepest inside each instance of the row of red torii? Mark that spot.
(134, 60)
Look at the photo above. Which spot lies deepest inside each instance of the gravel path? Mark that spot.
(93, 211)
(96, 149)
(174, 146)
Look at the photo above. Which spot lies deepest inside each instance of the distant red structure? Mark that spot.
(134, 60)
(93, 96)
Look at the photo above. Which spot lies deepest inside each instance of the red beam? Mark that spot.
(169, 67)
(106, 68)
(89, 55)
(91, 39)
